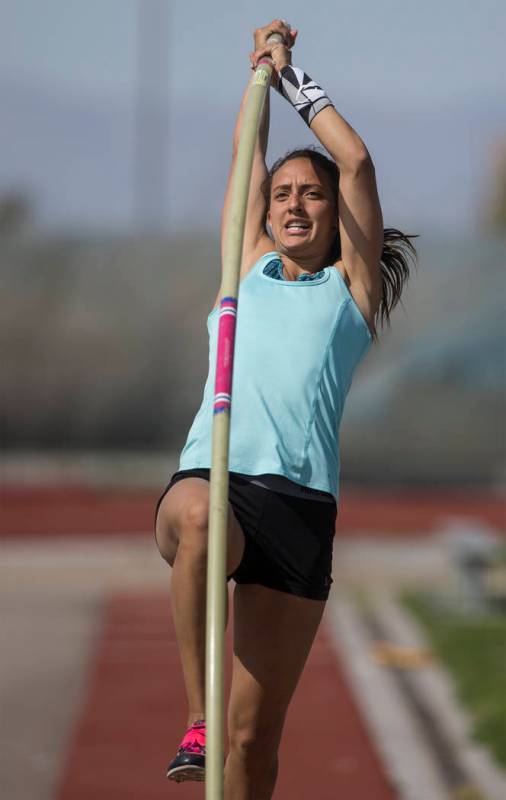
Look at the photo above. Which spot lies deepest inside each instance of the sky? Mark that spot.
(409, 76)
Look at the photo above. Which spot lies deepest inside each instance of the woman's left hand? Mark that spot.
(279, 52)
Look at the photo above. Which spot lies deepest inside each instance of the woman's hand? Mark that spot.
(279, 52)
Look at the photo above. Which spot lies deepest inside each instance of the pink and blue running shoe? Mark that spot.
(190, 761)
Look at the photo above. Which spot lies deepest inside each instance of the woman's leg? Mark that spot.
(273, 634)
(181, 535)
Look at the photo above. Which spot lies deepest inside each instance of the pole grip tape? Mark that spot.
(225, 357)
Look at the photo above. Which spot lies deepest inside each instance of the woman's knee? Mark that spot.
(183, 531)
(192, 533)
(256, 742)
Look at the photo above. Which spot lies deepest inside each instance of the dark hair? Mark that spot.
(396, 245)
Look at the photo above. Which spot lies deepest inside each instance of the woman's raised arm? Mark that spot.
(254, 233)
(360, 216)
(359, 212)
(253, 227)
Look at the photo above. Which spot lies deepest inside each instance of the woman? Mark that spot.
(311, 290)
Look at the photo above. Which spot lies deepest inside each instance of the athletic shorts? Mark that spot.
(288, 538)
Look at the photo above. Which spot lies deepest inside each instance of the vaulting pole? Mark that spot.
(218, 497)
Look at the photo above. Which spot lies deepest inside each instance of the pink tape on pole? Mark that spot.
(225, 357)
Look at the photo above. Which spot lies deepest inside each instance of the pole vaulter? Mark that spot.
(256, 495)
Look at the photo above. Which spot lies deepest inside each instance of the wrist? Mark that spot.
(304, 94)
(281, 57)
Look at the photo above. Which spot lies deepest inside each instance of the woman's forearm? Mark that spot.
(263, 130)
(319, 113)
(340, 139)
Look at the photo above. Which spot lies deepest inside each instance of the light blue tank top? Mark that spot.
(297, 346)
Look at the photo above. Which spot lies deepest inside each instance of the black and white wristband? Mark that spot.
(302, 92)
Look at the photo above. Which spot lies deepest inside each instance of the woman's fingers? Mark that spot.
(276, 26)
(281, 56)
(261, 52)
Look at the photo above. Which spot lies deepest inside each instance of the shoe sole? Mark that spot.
(186, 773)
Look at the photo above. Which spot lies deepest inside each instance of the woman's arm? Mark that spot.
(360, 216)
(254, 232)
(253, 225)
(359, 212)
(263, 129)
(340, 140)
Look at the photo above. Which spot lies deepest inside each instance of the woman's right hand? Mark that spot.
(279, 52)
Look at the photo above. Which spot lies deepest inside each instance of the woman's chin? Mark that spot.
(294, 241)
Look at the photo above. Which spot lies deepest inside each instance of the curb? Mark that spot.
(420, 729)
(405, 755)
(435, 690)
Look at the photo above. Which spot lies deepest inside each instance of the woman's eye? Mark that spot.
(283, 194)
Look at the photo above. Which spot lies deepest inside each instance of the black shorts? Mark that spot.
(288, 539)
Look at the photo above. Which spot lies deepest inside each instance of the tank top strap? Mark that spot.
(262, 262)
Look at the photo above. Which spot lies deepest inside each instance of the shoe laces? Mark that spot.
(194, 740)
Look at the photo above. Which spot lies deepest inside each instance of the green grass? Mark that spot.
(474, 652)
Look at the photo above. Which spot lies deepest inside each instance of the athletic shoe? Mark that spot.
(190, 761)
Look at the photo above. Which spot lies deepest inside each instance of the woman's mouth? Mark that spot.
(297, 229)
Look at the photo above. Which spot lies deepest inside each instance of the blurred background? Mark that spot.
(116, 137)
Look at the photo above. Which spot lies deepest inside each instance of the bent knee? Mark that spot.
(192, 529)
(194, 516)
(185, 530)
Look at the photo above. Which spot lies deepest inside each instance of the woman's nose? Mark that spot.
(294, 201)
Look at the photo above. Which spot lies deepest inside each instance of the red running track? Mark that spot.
(133, 717)
(60, 511)
(134, 712)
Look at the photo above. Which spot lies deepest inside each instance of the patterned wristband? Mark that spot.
(302, 92)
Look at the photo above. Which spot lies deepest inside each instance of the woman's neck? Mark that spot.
(292, 269)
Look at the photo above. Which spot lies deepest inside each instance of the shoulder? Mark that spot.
(249, 258)
(341, 269)
(366, 301)
(264, 245)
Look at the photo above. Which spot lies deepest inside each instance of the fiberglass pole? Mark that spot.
(218, 497)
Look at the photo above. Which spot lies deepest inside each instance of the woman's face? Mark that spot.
(301, 194)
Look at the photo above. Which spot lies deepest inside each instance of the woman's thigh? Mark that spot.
(273, 634)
